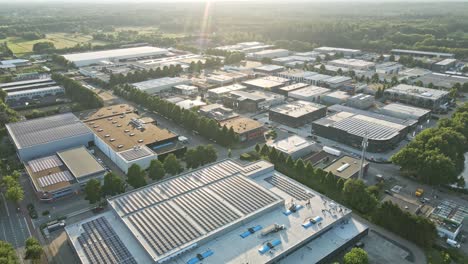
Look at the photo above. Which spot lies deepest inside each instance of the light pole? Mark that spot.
(365, 143)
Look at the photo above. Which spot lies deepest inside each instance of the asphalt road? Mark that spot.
(13, 226)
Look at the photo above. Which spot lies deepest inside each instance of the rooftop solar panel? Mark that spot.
(45, 163)
(290, 188)
(54, 178)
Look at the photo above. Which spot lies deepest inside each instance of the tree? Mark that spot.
(356, 256)
(156, 170)
(136, 176)
(14, 193)
(356, 194)
(93, 191)
(7, 253)
(43, 47)
(113, 185)
(172, 164)
(34, 249)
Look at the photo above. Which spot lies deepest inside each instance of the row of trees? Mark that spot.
(14, 192)
(355, 194)
(436, 155)
(77, 92)
(33, 251)
(143, 75)
(190, 119)
(229, 56)
(111, 186)
(200, 156)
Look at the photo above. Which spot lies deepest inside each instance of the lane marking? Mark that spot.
(27, 226)
(5, 203)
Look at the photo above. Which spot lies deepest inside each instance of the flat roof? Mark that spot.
(310, 90)
(211, 211)
(293, 87)
(338, 79)
(161, 82)
(46, 129)
(353, 62)
(227, 89)
(429, 53)
(36, 90)
(264, 83)
(449, 215)
(335, 49)
(114, 53)
(291, 144)
(442, 80)
(417, 91)
(122, 129)
(345, 167)
(298, 108)
(446, 62)
(270, 51)
(269, 67)
(338, 94)
(27, 82)
(80, 162)
(49, 174)
(241, 124)
(406, 109)
(296, 73)
(318, 77)
(402, 203)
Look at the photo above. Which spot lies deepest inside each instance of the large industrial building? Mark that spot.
(269, 83)
(64, 173)
(417, 96)
(418, 53)
(405, 112)
(159, 85)
(126, 139)
(115, 55)
(269, 53)
(345, 52)
(221, 213)
(21, 92)
(44, 136)
(347, 167)
(448, 217)
(253, 101)
(441, 80)
(353, 64)
(310, 93)
(217, 112)
(297, 113)
(349, 126)
(361, 101)
(224, 90)
(336, 97)
(289, 88)
(296, 75)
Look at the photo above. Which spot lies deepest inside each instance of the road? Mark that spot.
(14, 228)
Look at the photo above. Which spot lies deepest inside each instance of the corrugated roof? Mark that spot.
(44, 130)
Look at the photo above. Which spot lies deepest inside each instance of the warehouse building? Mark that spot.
(186, 89)
(389, 67)
(269, 53)
(336, 97)
(294, 146)
(345, 52)
(441, 80)
(406, 112)
(353, 64)
(224, 90)
(159, 85)
(297, 113)
(64, 173)
(296, 75)
(289, 88)
(45, 136)
(337, 82)
(253, 101)
(245, 128)
(347, 167)
(115, 55)
(310, 93)
(269, 69)
(349, 125)
(417, 96)
(448, 217)
(444, 65)
(246, 47)
(221, 213)
(361, 101)
(126, 139)
(316, 79)
(417, 53)
(38, 93)
(27, 85)
(269, 83)
(217, 112)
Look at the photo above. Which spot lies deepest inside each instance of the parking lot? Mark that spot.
(384, 250)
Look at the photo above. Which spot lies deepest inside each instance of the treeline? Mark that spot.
(355, 194)
(436, 155)
(229, 57)
(77, 92)
(7, 115)
(143, 75)
(189, 119)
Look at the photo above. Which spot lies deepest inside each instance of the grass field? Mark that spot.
(21, 46)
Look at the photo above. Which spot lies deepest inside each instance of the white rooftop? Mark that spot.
(291, 144)
(297, 108)
(311, 90)
(114, 53)
(417, 91)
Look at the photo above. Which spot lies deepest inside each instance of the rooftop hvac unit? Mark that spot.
(332, 151)
(343, 167)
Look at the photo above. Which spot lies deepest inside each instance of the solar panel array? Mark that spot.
(360, 127)
(206, 210)
(157, 193)
(243, 195)
(45, 163)
(135, 153)
(47, 129)
(102, 245)
(54, 178)
(163, 227)
(251, 168)
(290, 188)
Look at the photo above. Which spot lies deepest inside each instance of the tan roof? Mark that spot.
(241, 124)
(109, 111)
(80, 162)
(352, 169)
(121, 133)
(44, 173)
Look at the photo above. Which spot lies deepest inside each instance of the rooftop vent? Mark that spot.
(107, 135)
(100, 130)
(96, 126)
(132, 134)
(119, 125)
(120, 146)
(140, 141)
(126, 130)
(112, 139)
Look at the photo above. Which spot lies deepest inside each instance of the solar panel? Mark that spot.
(55, 178)
(45, 163)
(290, 188)
(102, 245)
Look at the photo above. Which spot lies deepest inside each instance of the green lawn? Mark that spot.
(21, 46)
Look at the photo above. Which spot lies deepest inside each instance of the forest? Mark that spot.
(300, 26)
